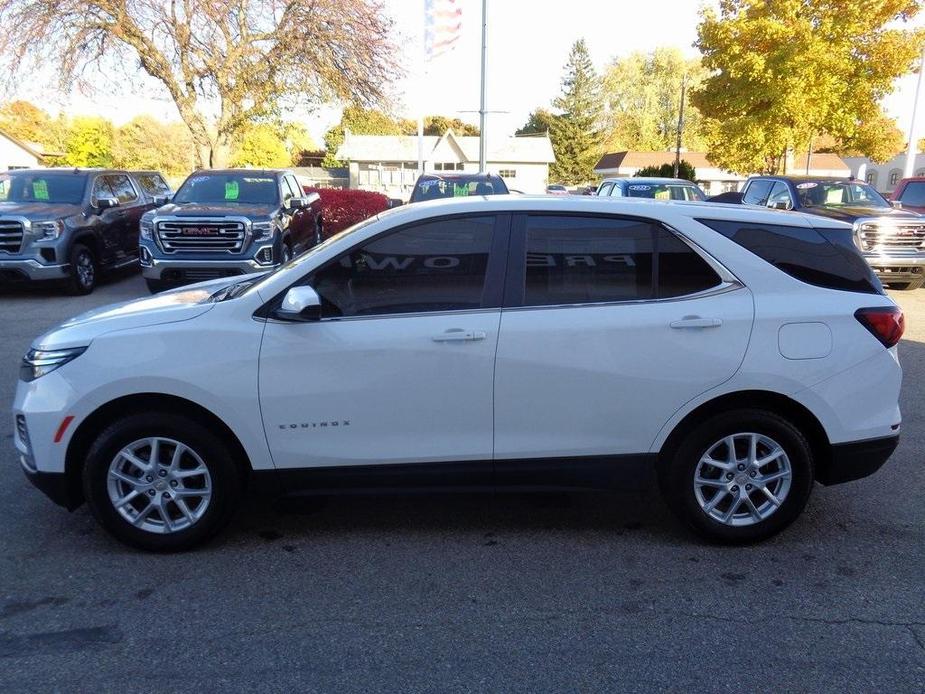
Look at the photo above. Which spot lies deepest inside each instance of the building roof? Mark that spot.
(383, 148)
(637, 160)
(34, 150)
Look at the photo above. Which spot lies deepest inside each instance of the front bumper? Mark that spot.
(853, 461)
(29, 269)
(896, 268)
(55, 486)
(177, 270)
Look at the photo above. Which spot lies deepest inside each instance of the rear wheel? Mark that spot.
(161, 482)
(83, 270)
(739, 477)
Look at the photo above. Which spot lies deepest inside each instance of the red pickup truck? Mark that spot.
(911, 193)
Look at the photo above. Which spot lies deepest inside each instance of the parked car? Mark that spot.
(499, 342)
(556, 189)
(442, 186)
(910, 194)
(68, 225)
(223, 223)
(891, 240)
(644, 187)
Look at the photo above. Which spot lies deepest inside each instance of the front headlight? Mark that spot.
(39, 362)
(49, 230)
(262, 230)
(147, 229)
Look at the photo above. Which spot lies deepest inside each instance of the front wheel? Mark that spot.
(83, 270)
(161, 482)
(739, 477)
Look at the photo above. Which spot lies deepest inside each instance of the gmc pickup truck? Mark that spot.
(69, 225)
(222, 223)
(910, 194)
(891, 240)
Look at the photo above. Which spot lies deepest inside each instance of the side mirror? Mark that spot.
(161, 199)
(106, 203)
(898, 204)
(295, 203)
(300, 305)
(780, 205)
(395, 202)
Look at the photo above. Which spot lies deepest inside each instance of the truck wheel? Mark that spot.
(155, 286)
(83, 270)
(161, 482)
(286, 253)
(739, 477)
(907, 286)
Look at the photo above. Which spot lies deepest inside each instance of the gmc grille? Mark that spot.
(219, 237)
(11, 234)
(890, 235)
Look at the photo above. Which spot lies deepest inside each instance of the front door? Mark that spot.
(615, 325)
(400, 367)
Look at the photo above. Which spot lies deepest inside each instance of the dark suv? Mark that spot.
(891, 240)
(229, 222)
(69, 224)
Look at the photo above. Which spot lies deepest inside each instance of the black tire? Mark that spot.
(155, 286)
(285, 253)
(226, 479)
(84, 270)
(319, 232)
(676, 475)
(908, 286)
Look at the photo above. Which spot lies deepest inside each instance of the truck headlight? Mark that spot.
(262, 230)
(39, 362)
(49, 230)
(146, 228)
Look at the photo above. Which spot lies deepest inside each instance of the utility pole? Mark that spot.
(809, 154)
(483, 113)
(910, 151)
(677, 151)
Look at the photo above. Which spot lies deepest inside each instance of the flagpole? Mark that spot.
(483, 135)
(910, 152)
(423, 75)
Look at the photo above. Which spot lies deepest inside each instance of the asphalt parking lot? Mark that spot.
(467, 593)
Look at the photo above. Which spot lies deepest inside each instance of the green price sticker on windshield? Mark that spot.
(40, 189)
(460, 191)
(232, 190)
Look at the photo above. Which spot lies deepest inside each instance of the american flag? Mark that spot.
(442, 26)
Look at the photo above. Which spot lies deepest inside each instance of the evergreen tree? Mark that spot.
(575, 131)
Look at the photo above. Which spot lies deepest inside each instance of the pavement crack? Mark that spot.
(822, 620)
(915, 635)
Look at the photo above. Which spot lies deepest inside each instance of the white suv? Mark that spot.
(503, 342)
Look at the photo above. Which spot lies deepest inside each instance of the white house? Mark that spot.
(15, 154)
(711, 178)
(884, 177)
(388, 163)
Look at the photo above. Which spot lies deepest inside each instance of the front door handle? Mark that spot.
(696, 322)
(460, 335)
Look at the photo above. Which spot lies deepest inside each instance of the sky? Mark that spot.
(528, 42)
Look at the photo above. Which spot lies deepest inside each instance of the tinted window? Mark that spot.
(835, 193)
(122, 188)
(436, 266)
(153, 184)
(578, 260)
(680, 270)
(438, 187)
(43, 187)
(913, 194)
(757, 192)
(780, 193)
(663, 191)
(605, 189)
(101, 189)
(294, 187)
(823, 257)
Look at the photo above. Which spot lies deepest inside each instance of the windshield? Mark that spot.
(241, 188)
(663, 191)
(437, 187)
(913, 194)
(43, 186)
(838, 193)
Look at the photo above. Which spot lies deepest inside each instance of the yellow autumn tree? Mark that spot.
(783, 72)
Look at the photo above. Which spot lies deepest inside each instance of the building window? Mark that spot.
(448, 166)
(894, 177)
(508, 173)
(871, 177)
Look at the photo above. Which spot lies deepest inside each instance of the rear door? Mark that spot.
(610, 325)
(131, 207)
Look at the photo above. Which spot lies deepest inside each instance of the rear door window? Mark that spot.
(757, 192)
(122, 188)
(605, 189)
(153, 184)
(824, 257)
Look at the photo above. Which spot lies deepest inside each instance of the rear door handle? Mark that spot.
(696, 322)
(460, 335)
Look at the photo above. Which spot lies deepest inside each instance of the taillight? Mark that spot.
(886, 323)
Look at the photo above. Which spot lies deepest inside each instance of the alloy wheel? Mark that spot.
(85, 270)
(742, 479)
(159, 485)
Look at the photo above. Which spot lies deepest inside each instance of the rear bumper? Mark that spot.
(29, 269)
(853, 461)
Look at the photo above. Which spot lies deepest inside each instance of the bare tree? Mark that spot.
(224, 63)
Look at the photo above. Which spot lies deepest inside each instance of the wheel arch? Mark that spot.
(808, 424)
(88, 239)
(86, 432)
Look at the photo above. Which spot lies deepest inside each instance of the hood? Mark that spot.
(195, 209)
(850, 214)
(39, 211)
(177, 305)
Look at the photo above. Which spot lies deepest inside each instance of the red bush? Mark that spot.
(344, 208)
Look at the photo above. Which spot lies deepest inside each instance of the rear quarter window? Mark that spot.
(824, 257)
